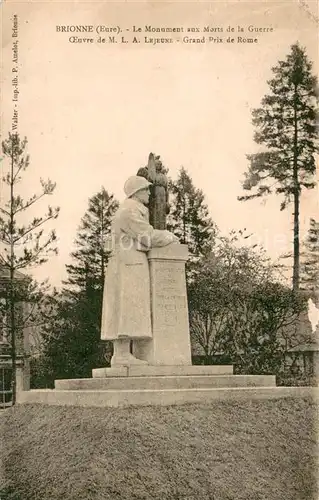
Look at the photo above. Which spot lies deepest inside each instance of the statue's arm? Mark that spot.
(147, 237)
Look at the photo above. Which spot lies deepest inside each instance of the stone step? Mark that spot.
(161, 370)
(166, 382)
(167, 397)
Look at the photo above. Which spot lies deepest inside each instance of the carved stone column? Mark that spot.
(170, 344)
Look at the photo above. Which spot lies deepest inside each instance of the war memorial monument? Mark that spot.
(145, 315)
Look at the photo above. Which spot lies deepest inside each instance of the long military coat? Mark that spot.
(126, 297)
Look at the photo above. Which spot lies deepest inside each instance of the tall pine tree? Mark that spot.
(189, 217)
(286, 125)
(24, 243)
(90, 257)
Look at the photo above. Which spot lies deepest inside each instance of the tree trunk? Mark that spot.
(11, 292)
(13, 340)
(296, 263)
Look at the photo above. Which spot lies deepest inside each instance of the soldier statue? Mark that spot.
(155, 173)
(126, 313)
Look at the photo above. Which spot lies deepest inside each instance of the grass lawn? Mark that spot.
(261, 450)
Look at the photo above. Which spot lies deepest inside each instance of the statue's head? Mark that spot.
(138, 188)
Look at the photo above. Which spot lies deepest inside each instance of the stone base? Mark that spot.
(160, 370)
(125, 398)
(161, 385)
(166, 382)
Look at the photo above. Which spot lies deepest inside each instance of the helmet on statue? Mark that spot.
(134, 184)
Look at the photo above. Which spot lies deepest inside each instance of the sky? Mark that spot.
(93, 112)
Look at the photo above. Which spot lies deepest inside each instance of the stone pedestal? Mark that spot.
(170, 345)
(19, 378)
(22, 375)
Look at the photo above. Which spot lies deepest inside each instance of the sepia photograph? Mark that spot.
(159, 250)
